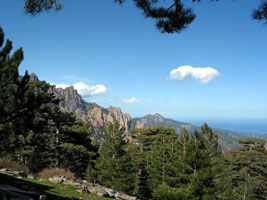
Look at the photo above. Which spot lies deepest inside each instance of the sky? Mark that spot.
(114, 56)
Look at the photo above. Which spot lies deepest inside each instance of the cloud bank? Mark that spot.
(85, 90)
(202, 74)
(131, 100)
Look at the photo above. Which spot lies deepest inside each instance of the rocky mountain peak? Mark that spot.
(34, 77)
(92, 113)
(156, 118)
(158, 115)
(72, 100)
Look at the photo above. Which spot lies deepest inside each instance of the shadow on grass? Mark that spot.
(29, 186)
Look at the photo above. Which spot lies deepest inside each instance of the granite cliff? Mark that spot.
(92, 113)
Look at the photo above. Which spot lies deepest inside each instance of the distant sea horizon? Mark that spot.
(256, 126)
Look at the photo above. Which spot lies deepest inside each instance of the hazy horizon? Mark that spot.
(253, 125)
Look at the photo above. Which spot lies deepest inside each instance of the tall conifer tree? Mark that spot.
(115, 168)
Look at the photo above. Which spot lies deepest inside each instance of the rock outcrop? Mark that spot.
(92, 113)
(34, 77)
(99, 190)
(10, 192)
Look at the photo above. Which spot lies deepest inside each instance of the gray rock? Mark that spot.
(125, 196)
(107, 192)
(92, 113)
(34, 77)
(76, 184)
(79, 191)
(30, 177)
(15, 172)
(57, 179)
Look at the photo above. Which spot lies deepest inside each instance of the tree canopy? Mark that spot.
(172, 18)
(33, 128)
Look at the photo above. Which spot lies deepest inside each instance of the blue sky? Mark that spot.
(98, 42)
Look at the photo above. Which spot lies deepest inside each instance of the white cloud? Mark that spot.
(85, 90)
(149, 101)
(88, 91)
(63, 86)
(131, 100)
(202, 74)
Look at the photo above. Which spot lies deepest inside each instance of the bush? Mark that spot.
(12, 165)
(49, 173)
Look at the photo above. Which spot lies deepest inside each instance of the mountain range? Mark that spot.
(100, 117)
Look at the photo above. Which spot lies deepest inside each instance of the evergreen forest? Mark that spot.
(153, 163)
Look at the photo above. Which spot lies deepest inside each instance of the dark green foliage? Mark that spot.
(76, 149)
(90, 174)
(172, 19)
(115, 168)
(33, 129)
(18, 103)
(10, 86)
(33, 7)
(244, 175)
(177, 166)
(25, 107)
(252, 141)
(261, 12)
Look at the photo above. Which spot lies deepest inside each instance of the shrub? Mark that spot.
(12, 165)
(49, 173)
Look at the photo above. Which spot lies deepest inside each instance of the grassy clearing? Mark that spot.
(65, 191)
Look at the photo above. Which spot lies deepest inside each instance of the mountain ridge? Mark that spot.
(92, 113)
(100, 117)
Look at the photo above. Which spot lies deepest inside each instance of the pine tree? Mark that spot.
(76, 149)
(33, 129)
(11, 93)
(115, 169)
(179, 166)
(245, 173)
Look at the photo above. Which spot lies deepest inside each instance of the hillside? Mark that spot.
(227, 139)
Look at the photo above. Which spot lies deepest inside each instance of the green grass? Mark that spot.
(65, 191)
